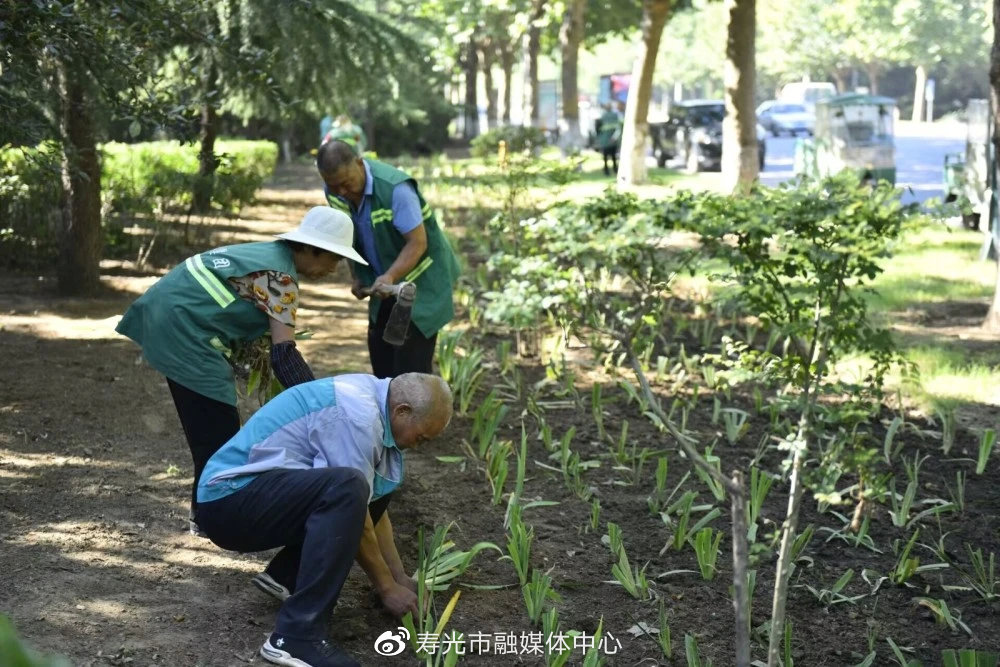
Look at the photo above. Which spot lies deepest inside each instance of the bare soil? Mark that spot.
(96, 564)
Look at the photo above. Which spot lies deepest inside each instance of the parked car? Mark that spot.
(786, 118)
(693, 132)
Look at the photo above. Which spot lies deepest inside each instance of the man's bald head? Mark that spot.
(334, 155)
(419, 407)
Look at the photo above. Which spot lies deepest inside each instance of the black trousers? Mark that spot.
(415, 355)
(317, 516)
(208, 424)
(612, 153)
(284, 566)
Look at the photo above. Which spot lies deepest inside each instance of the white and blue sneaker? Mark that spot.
(281, 650)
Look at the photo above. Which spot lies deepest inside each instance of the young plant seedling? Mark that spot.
(706, 549)
(897, 654)
(833, 595)
(683, 531)
(538, 593)
(986, 442)
(890, 450)
(944, 615)
(692, 655)
(736, 424)
(947, 415)
(519, 539)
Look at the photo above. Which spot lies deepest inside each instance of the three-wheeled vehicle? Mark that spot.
(967, 175)
(852, 131)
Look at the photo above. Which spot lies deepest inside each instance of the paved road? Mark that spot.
(920, 151)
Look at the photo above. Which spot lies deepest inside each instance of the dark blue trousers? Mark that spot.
(317, 516)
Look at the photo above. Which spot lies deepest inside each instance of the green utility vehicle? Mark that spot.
(852, 131)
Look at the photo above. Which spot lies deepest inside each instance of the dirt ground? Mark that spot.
(96, 563)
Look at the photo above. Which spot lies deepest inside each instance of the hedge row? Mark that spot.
(137, 180)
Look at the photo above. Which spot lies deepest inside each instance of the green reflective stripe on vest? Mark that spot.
(336, 202)
(222, 295)
(381, 215)
(418, 269)
(220, 346)
(426, 211)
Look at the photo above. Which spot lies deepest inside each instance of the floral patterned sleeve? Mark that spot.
(273, 292)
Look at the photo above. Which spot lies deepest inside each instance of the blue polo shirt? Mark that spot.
(406, 216)
(327, 423)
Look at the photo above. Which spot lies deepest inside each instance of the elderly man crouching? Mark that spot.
(311, 472)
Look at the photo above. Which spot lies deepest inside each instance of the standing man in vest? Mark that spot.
(188, 322)
(398, 235)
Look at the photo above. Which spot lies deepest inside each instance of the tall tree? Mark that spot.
(470, 111)
(487, 60)
(259, 58)
(992, 322)
(100, 56)
(570, 37)
(632, 168)
(739, 127)
(930, 31)
(532, 47)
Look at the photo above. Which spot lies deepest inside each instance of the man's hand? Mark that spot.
(405, 580)
(381, 286)
(399, 599)
(359, 291)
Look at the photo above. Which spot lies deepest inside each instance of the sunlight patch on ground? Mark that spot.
(31, 461)
(14, 474)
(55, 327)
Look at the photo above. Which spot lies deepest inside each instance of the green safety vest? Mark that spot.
(436, 272)
(188, 321)
(349, 134)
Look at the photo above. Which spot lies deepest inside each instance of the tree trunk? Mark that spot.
(739, 127)
(507, 63)
(531, 48)
(920, 84)
(470, 125)
(873, 71)
(839, 80)
(80, 246)
(632, 167)
(570, 36)
(487, 56)
(208, 161)
(992, 322)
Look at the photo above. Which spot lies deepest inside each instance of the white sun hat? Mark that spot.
(328, 229)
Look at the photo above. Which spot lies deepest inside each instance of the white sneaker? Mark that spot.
(267, 584)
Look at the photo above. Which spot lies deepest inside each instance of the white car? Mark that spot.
(785, 118)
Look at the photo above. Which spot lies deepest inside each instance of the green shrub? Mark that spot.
(137, 180)
(13, 653)
(519, 139)
(154, 176)
(30, 197)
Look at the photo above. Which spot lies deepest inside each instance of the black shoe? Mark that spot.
(281, 650)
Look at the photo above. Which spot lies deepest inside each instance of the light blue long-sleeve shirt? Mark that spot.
(332, 422)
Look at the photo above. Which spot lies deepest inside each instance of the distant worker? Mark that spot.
(325, 123)
(609, 135)
(190, 320)
(344, 129)
(396, 232)
(312, 472)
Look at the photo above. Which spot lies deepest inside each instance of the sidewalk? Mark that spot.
(935, 130)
